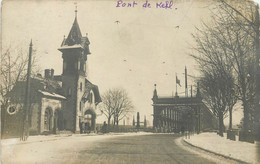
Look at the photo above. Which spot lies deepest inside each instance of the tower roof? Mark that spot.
(75, 39)
(74, 36)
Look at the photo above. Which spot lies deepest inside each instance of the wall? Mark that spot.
(79, 95)
(69, 105)
(34, 120)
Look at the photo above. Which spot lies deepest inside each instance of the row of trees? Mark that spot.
(227, 51)
(116, 105)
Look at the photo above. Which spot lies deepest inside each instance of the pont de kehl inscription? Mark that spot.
(146, 4)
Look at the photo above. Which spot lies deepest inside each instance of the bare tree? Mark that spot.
(217, 90)
(245, 50)
(13, 69)
(233, 36)
(217, 81)
(123, 105)
(106, 106)
(116, 104)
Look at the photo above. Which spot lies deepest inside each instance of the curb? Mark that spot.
(209, 151)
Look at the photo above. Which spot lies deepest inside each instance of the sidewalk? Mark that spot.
(44, 138)
(211, 142)
(32, 139)
(52, 148)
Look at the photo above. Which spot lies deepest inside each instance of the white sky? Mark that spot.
(145, 38)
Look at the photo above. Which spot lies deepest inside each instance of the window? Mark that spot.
(91, 98)
(69, 91)
(81, 86)
(11, 110)
(78, 65)
(46, 117)
(80, 106)
(75, 65)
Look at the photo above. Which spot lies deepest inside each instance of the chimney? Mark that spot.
(47, 73)
(52, 73)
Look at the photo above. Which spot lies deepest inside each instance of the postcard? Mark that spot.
(130, 81)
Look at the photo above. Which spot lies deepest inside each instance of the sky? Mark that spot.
(148, 46)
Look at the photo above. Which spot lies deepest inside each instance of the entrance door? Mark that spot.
(90, 120)
(48, 119)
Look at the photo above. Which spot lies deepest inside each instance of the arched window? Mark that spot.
(80, 106)
(48, 119)
(91, 98)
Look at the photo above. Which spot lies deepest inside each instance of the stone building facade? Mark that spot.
(178, 114)
(62, 102)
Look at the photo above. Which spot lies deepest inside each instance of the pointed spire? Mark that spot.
(74, 36)
(31, 43)
(155, 96)
(76, 9)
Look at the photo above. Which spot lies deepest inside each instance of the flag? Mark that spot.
(178, 81)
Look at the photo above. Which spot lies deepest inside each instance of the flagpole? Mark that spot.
(176, 94)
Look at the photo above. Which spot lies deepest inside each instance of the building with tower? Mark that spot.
(65, 102)
(75, 86)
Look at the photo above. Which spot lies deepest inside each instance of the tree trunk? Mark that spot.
(108, 121)
(221, 124)
(114, 123)
(117, 121)
(246, 116)
(230, 119)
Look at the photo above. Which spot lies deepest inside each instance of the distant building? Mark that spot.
(64, 102)
(176, 114)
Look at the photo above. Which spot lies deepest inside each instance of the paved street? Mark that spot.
(142, 149)
(107, 149)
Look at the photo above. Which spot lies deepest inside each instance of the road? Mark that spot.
(133, 149)
(141, 149)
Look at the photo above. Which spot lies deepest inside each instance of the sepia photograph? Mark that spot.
(130, 82)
